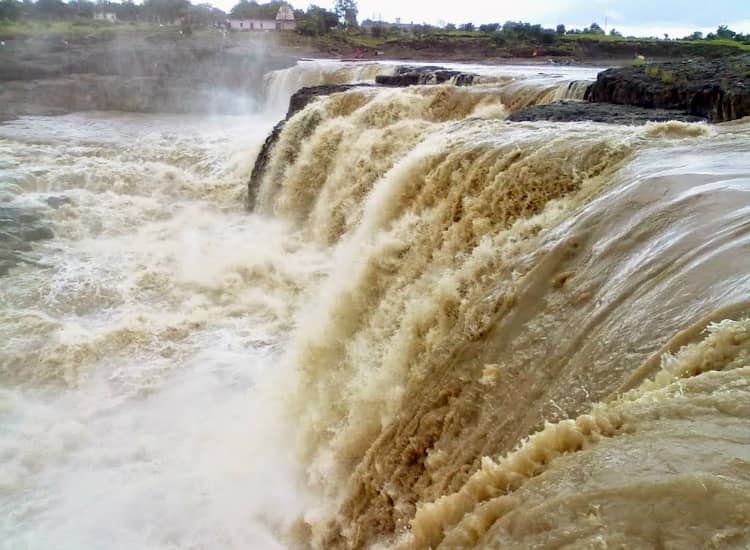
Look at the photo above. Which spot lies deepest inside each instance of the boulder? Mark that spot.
(302, 97)
(573, 111)
(408, 75)
(716, 89)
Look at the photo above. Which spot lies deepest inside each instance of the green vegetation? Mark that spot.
(316, 21)
(521, 38)
(10, 10)
(61, 15)
(69, 30)
(347, 11)
(252, 10)
(664, 75)
(718, 42)
(338, 30)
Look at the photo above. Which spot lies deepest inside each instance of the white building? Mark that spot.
(284, 22)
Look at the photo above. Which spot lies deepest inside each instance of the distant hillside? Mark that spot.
(475, 46)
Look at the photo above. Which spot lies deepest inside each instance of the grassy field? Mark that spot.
(70, 30)
(476, 44)
(623, 40)
(727, 43)
(449, 44)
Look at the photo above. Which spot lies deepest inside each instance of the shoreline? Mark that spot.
(485, 62)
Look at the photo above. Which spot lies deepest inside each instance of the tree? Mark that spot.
(347, 11)
(697, 35)
(489, 27)
(82, 8)
(517, 31)
(165, 11)
(252, 10)
(450, 27)
(51, 9)
(594, 29)
(421, 31)
(560, 29)
(10, 10)
(549, 37)
(316, 21)
(615, 32)
(468, 27)
(724, 32)
(204, 15)
(127, 11)
(378, 31)
(499, 38)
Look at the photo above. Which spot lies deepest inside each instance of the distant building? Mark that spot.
(284, 21)
(105, 16)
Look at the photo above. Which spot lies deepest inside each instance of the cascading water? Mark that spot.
(490, 278)
(135, 342)
(437, 329)
(280, 85)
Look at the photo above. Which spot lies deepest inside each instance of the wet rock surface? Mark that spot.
(716, 89)
(48, 77)
(261, 162)
(573, 111)
(302, 97)
(409, 75)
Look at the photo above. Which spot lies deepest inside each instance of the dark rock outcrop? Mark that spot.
(572, 111)
(261, 162)
(199, 75)
(408, 75)
(716, 89)
(302, 97)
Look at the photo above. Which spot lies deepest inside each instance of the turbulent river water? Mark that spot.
(436, 328)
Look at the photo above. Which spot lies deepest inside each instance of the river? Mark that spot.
(362, 359)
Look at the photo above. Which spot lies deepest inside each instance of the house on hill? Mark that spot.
(284, 21)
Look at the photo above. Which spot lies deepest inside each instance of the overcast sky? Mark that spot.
(638, 17)
(641, 17)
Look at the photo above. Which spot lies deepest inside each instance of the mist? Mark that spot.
(167, 72)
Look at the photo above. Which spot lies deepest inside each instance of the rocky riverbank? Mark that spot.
(139, 73)
(482, 48)
(572, 111)
(716, 89)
